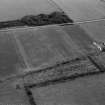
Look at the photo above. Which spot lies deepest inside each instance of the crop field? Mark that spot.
(53, 86)
(10, 59)
(100, 60)
(10, 95)
(83, 91)
(80, 37)
(22, 50)
(26, 49)
(46, 46)
(13, 9)
(82, 10)
(68, 70)
(57, 57)
(96, 30)
(54, 64)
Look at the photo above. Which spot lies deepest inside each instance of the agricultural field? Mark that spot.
(11, 62)
(13, 9)
(46, 46)
(60, 69)
(52, 64)
(80, 37)
(10, 94)
(82, 10)
(99, 60)
(70, 69)
(95, 29)
(41, 47)
(35, 48)
(82, 91)
(30, 49)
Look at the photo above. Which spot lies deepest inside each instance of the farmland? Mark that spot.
(13, 9)
(46, 46)
(10, 59)
(43, 60)
(41, 47)
(83, 91)
(46, 57)
(83, 10)
(10, 95)
(24, 50)
(80, 37)
(67, 70)
(95, 29)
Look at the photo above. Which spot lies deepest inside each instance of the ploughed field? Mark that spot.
(30, 49)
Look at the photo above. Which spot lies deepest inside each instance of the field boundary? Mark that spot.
(37, 27)
(61, 72)
(60, 80)
(47, 68)
(30, 96)
(66, 66)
